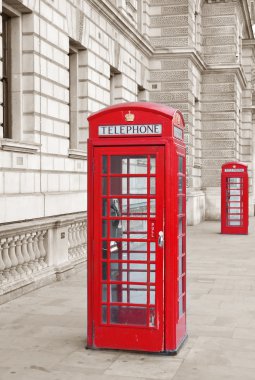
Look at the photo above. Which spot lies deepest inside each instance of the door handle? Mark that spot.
(160, 238)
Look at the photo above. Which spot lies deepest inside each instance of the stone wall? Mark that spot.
(70, 58)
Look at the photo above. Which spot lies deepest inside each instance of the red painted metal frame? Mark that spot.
(238, 204)
(173, 331)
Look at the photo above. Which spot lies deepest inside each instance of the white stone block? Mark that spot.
(17, 208)
(11, 182)
(53, 182)
(46, 49)
(65, 203)
(28, 62)
(64, 146)
(44, 182)
(64, 182)
(58, 20)
(63, 112)
(74, 182)
(28, 103)
(59, 163)
(37, 182)
(27, 184)
(52, 34)
(47, 162)
(83, 182)
(43, 28)
(69, 164)
(53, 108)
(1, 184)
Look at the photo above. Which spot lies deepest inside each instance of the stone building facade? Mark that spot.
(63, 60)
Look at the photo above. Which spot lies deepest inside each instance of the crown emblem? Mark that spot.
(129, 116)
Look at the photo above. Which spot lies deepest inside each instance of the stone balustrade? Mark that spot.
(77, 237)
(22, 255)
(35, 253)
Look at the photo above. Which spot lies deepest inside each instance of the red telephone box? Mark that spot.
(136, 228)
(234, 198)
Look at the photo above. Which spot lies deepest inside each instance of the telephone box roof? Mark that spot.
(143, 106)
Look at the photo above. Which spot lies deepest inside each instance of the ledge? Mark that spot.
(19, 146)
(76, 153)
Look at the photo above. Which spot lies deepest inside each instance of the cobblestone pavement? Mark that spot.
(42, 334)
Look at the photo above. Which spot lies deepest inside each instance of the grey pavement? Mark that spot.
(43, 333)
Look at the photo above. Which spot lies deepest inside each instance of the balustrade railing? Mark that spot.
(77, 237)
(34, 251)
(22, 255)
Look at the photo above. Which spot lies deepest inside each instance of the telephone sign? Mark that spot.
(136, 228)
(234, 198)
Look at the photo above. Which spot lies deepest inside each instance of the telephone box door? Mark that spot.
(129, 243)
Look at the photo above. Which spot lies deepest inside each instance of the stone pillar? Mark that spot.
(223, 84)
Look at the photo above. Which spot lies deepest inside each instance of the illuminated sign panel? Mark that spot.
(125, 129)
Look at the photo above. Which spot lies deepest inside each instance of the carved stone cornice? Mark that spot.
(237, 69)
(122, 23)
(221, 1)
(19, 146)
(182, 53)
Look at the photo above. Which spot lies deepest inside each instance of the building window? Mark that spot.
(6, 54)
(73, 96)
(115, 86)
(12, 74)
(78, 98)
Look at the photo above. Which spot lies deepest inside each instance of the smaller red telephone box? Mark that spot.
(136, 228)
(234, 198)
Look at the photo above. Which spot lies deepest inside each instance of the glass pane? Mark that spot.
(129, 228)
(132, 185)
(104, 164)
(152, 208)
(180, 202)
(104, 270)
(152, 165)
(234, 180)
(234, 204)
(128, 164)
(152, 247)
(152, 185)
(104, 207)
(129, 293)
(234, 223)
(234, 192)
(104, 249)
(234, 186)
(104, 185)
(133, 207)
(118, 272)
(104, 228)
(119, 164)
(235, 211)
(180, 226)
(234, 198)
(180, 184)
(138, 185)
(129, 272)
(152, 318)
(180, 245)
(180, 164)
(118, 185)
(152, 295)
(152, 276)
(104, 293)
(104, 313)
(129, 315)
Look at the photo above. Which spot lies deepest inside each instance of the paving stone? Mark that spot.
(43, 333)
